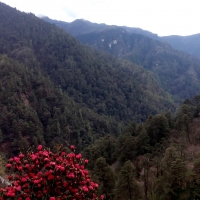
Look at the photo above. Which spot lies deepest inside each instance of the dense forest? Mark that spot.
(33, 111)
(93, 79)
(176, 71)
(121, 111)
(157, 159)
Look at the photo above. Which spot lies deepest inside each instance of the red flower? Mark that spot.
(39, 148)
(27, 165)
(8, 165)
(78, 156)
(71, 155)
(23, 180)
(90, 187)
(85, 189)
(71, 175)
(33, 157)
(18, 188)
(21, 155)
(39, 173)
(45, 191)
(86, 161)
(45, 153)
(72, 147)
(16, 159)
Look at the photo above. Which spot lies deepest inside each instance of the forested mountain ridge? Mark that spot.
(95, 80)
(189, 44)
(177, 72)
(78, 26)
(81, 26)
(55, 90)
(34, 111)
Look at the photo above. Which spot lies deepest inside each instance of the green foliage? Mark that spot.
(127, 188)
(143, 143)
(177, 72)
(128, 149)
(105, 176)
(173, 182)
(157, 129)
(104, 147)
(34, 111)
(98, 81)
(196, 170)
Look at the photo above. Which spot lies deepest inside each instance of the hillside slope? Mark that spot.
(95, 80)
(189, 44)
(34, 112)
(177, 72)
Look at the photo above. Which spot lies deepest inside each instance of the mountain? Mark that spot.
(81, 26)
(98, 81)
(189, 44)
(177, 72)
(61, 91)
(34, 111)
(78, 27)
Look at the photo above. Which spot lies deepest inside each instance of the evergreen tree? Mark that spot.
(173, 183)
(127, 187)
(157, 128)
(196, 186)
(104, 174)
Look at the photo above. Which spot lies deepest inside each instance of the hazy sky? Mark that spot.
(164, 17)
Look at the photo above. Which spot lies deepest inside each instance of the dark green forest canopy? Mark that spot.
(93, 79)
(33, 111)
(177, 72)
(161, 155)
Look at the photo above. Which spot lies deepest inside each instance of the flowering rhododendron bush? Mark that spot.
(50, 176)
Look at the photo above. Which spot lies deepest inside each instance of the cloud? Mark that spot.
(71, 14)
(159, 16)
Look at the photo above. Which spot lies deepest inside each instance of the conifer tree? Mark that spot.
(173, 183)
(127, 188)
(104, 174)
(196, 187)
